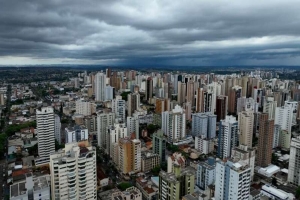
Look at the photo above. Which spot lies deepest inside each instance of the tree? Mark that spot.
(33, 150)
(123, 186)
(3, 138)
(298, 193)
(156, 170)
(125, 95)
(58, 146)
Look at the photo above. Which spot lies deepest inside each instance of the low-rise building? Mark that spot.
(35, 188)
(131, 193)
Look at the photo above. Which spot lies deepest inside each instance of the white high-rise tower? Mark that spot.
(45, 128)
(100, 79)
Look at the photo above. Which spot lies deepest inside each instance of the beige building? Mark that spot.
(73, 172)
(245, 121)
(129, 155)
(149, 161)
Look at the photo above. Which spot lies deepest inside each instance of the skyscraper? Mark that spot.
(174, 124)
(265, 140)
(235, 93)
(270, 107)
(149, 88)
(57, 128)
(228, 136)
(294, 162)
(129, 155)
(245, 121)
(104, 120)
(45, 127)
(100, 79)
(118, 107)
(206, 173)
(133, 102)
(73, 172)
(159, 143)
(232, 180)
(221, 107)
(204, 129)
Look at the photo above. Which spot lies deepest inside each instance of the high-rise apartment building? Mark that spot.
(45, 129)
(234, 94)
(233, 180)
(206, 173)
(114, 133)
(57, 128)
(73, 172)
(162, 105)
(221, 107)
(129, 158)
(176, 184)
(85, 107)
(284, 117)
(265, 140)
(76, 134)
(149, 88)
(228, 136)
(270, 107)
(294, 162)
(100, 79)
(204, 129)
(104, 120)
(159, 143)
(109, 93)
(174, 124)
(118, 107)
(133, 126)
(246, 155)
(245, 121)
(199, 100)
(133, 102)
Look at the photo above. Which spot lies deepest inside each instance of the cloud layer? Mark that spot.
(152, 32)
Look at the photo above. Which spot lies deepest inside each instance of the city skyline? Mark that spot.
(119, 33)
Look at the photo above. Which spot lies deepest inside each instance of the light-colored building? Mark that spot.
(76, 134)
(114, 133)
(100, 79)
(204, 125)
(284, 117)
(233, 180)
(245, 122)
(228, 136)
(270, 106)
(129, 160)
(104, 120)
(73, 172)
(131, 193)
(85, 107)
(57, 128)
(118, 107)
(174, 124)
(109, 93)
(45, 130)
(246, 155)
(206, 174)
(274, 193)
(294, 162)
(133, 126)
(35, 188)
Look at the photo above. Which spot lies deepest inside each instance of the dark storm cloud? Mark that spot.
(153, 32)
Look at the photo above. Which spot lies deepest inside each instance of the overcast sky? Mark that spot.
(150, 32)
